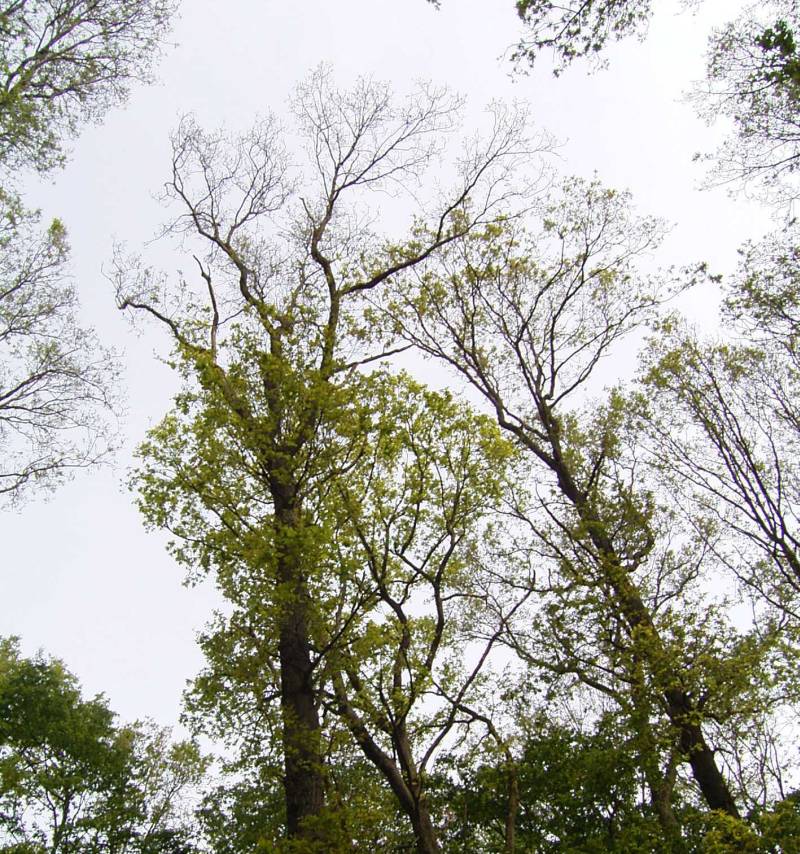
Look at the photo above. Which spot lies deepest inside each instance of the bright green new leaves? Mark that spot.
(394, 541)
(414, 527)
(405, 666)
(717, 425)
(421, 540)
(764, 299)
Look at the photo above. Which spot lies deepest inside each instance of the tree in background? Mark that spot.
(620, 602)
(62, 63)
(66, 62)
(580, 790)
(723, 418)
(72, 780)
(56, 381)
(752, 76)
(719, 426)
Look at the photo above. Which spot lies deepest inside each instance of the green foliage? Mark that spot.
(63, 62)
(753, 77)
(579, 792)
(243, 816)
(245, 813)
(719, 423)
(577, 28)
(779, 825)
(389, 524)
(763, 299)
(623, 579)
(782, 63)
(71, 780)
(770, 831)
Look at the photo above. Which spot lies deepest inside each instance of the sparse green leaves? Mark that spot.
(753, 78)
(57, 391)
(63, 63)
(578, 28)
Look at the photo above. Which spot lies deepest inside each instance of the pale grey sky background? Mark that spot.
(81, 578)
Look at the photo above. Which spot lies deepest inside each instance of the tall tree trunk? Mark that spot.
(680, 708)
(704, 767)
(427, 843)
(512, 809)
(303, 768)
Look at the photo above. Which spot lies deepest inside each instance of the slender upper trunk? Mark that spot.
(661, 788)
(679, 706)
(427, 843)
(661, 802)
(404, 782)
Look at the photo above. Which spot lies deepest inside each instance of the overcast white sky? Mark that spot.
(81, 578)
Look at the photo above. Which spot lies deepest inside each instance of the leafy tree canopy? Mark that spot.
(73, 780)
